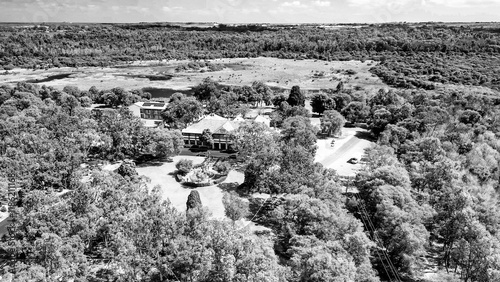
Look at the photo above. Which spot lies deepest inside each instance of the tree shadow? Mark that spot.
(149, 163)
(365, 135)
(233, 187)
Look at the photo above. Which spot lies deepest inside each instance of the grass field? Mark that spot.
(283, 73)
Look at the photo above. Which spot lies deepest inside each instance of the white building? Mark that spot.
(149, 112)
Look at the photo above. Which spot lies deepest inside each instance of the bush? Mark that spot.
(235, 207)
(222, 167)
(3, 209)
(127, 169)
(184, 166)
(194, 200)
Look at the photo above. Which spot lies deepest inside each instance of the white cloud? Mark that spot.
(320, 3)
(423, 3)
(465, 3)
(249, 11)
(170, 9)
(294, 4)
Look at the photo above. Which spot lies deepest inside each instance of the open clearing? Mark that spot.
(283, 73)
(352, 144)
(211, 196)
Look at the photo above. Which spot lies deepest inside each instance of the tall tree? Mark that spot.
(296, 97)
(332, 123)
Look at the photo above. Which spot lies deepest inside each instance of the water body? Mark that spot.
(49, 78)
(149, 77)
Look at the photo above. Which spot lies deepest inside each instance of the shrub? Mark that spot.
(194, 200)
(184, 166)
(235, 207)
(127, 169)
(3, 209)
(222, 167)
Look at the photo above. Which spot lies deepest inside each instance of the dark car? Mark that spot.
(353, 161)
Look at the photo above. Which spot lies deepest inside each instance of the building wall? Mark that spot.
(136, 110)
(221, 141)
(151, 114)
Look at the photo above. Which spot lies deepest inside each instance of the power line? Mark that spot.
(377, 239)
(377, 251)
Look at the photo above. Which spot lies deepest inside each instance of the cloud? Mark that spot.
(171, 9)
(294, 4)
(423, 3)
(320, 3)
(251, 10)
(465, 3)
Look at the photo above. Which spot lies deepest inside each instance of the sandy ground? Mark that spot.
(347, 146)
(238, 71)
(211, 196)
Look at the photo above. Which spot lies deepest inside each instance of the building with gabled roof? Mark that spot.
(219, 127)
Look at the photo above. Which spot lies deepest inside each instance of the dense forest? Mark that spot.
(412, 56)
(428, 192)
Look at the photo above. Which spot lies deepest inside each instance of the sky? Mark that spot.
(249, 11)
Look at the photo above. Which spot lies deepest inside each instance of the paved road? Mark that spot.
(352, 147)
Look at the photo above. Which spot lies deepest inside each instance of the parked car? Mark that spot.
(353, 161)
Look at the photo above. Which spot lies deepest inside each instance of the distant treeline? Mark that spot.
(411, 56)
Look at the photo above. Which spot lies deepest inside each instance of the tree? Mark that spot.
(127, 169)
(469, 117)
(227, 105)
(332, 123)
(165, 143)
(321, 102)
(278, 99)
(380, 119)
(264, 91)
(184, 166)
(181, 111)
(252, 138)
(284, 111)
(394, 136)
(206, 90)
(298, 131)
(248, 94)
(69, 103)
(296, 98)
(235, 208)
(314, 260)
(388, 204)
(85, 101)
(72, 90)
(206, 137)
(341, 100)
(356, 112)
(193, 201)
